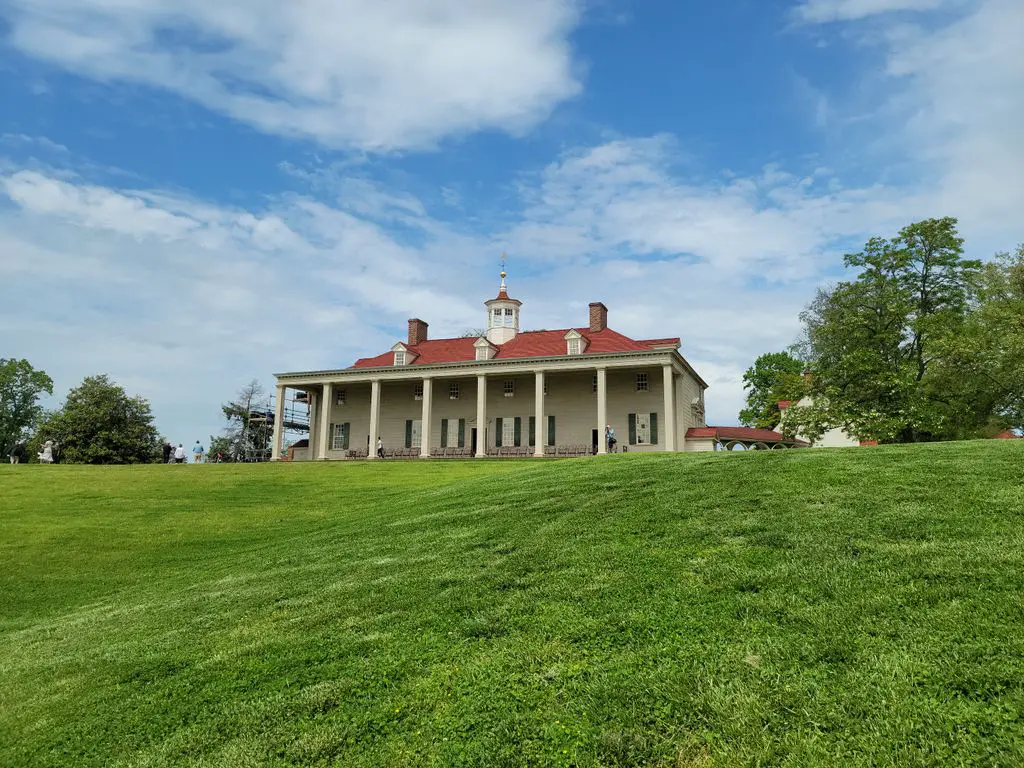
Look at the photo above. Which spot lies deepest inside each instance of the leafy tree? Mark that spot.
(220, 444)
(249, 430)
(873, 341)
(20, 388)
(982, 365)
(774, 376)
(100, 424)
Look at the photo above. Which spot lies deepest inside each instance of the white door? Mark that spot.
(417, 427)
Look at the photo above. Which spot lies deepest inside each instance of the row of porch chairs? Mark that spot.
(567, 451)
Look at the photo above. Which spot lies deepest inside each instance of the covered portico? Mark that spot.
(536, 406)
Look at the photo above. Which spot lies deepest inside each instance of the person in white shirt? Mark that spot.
(179, 454)
(380, 448)
(46, 457)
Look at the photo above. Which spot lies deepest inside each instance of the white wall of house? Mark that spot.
(571, 399)
(833, 438)
(700, 444)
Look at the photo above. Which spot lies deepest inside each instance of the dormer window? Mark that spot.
(400, 358)
(484, 349)
(574, 342)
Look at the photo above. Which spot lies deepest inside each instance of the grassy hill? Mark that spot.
(850, 607)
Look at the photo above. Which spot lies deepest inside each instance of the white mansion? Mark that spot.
(510, 393)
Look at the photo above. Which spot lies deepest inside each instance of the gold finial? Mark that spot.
(503, 273)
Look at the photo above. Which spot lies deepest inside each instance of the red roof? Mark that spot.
(1007, 435)
(742, 433)
(524, 345)
(784, 404)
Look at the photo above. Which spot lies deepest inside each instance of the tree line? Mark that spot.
(921, 344)
(98, 423)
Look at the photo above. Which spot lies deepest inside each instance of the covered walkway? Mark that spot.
(740, 439)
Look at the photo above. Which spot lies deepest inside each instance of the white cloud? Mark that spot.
(944, 107)
(959, 91)
(819, 11)
(350, 73)
(621, 198)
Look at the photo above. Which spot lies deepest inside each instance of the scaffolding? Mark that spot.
(294, 425)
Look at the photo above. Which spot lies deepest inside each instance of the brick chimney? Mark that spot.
(598, 316)
(417, 331)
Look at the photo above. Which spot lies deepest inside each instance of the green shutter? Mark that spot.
(654, 429)
(330, 438)
(533, 431)
(518, 432)
(462, 433)
(632, 429)
(551, 430)
(408, 433)
(346, 428)
(497, 433)
(444, 433)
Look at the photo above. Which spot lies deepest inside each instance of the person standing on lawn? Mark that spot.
(197, 453)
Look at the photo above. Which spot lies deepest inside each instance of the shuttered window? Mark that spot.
(453, 433)
(643, 429)
(551, 430)
(339, 437)
(533, 432)
(412, 433)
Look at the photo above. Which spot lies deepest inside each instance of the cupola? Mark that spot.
(502, 315)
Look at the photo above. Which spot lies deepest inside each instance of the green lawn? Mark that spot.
(799, 608)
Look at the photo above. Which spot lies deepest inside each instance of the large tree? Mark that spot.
(982, 365)
(21, 385)
(875, 340)
(100, 424)
(774, 376)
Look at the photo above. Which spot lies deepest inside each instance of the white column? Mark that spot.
(314, 421)
(374, 418)
(323, 433)
(481, 416)
(428, 401)
(541, 429)
(275, 451)
(668, 384)
(602, 409)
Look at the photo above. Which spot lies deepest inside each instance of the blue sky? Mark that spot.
(194, 194)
